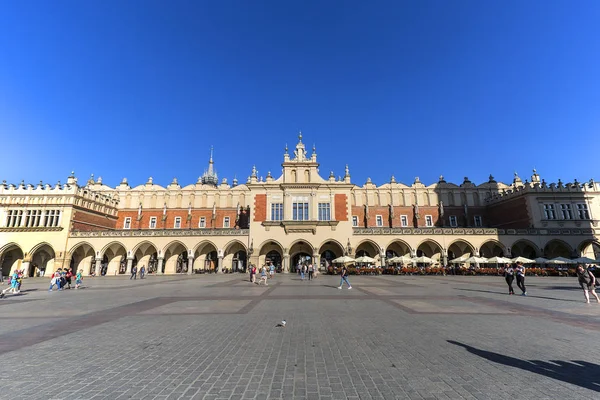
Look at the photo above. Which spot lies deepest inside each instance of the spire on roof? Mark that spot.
(209, 177)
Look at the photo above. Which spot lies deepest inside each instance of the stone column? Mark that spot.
(98, 267)
(190, 265)
(286, 263)
(220, 264)
(159, 267)
(316, 261)
(382, 260)
(25, 268)
(129, 265)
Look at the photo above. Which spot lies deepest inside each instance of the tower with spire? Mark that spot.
(209, 177)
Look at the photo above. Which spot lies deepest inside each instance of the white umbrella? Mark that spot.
(365, 259)
(584, 260)
(477, 260)
(343, 260)
(423, 260)
(460, 259)
(498, 260)
(561, 260)
(400, 260)
(541, 260)
(522, 260)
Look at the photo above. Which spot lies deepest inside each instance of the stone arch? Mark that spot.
(429, 248)
(492, 248)
(145, 254)
(557, 248)
(589, 248)
(11, 258)
(328, 251)
(301, 251)
(175, 255)
(524, 248)
(235, 256)
(396, 248)
(459, 248)
(114, 258)
(206, 257)
(367, 247)
(41, 259)
(83, 257)
(269, 249)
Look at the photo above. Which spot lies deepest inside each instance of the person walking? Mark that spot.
(133, 273)
(55, 280)
(302, 270)
(344, 278)
(587, 281)
(271, 270)
(142, 271)
(253, 273)
(311, 271)
(78, 279)
(520, 270)
(509, 275)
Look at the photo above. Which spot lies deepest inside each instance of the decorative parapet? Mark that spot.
(469, 231)
(543, 188)
(160, 232)
(32, 229)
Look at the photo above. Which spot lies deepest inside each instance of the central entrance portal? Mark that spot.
(300, 259)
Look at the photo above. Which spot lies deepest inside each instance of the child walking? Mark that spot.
(78, 279)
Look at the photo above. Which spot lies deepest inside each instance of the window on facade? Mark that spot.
(226, 222)
(354, 220)
(277, 212)
(428, 220)
(52, 216)
(127, 223)
(379, 220)
(478, 221)
(177, 224)
(324, 212)
(300, 211)
(549, 212)
(453, 221)
(404, 220)
(566, 211)
(152, 223)
(202, 223)
(582, 211)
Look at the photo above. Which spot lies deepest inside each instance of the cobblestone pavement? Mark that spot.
(215, 337)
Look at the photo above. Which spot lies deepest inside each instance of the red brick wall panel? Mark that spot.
(341, 207)
(260, 207)
(509, 214)
(92, 221)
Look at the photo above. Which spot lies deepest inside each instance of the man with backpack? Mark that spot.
(344, 278)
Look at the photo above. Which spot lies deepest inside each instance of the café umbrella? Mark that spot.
(585, 260)
(365, 259)
(460, 259)
(476, 260)
(400, 260)
(422, 260)
(541, 260)
(561, 260)
(498, 260)
(523, 260)
(343, 260)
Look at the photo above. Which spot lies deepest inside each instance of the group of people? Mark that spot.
(585, 277)
(307, 269)
(134, 272)
(267, 271)
(63, 277)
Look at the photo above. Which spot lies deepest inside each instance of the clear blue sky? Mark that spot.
(411, 88)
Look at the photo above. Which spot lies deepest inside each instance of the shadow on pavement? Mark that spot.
(518, 294)
(580, 373)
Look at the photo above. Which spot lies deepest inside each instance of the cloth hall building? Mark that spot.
(212, 226)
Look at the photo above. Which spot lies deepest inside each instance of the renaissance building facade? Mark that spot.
(212, 226)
